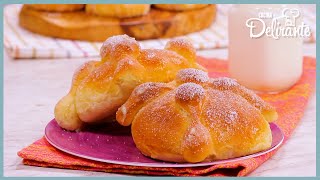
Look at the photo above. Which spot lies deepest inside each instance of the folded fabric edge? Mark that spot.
(234, 169)
(218, 172)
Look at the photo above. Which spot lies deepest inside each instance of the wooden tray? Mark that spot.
(82, 26)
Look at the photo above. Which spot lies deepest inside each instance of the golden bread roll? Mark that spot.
(118, 10)
(99, 88)
(180, 7)
(56, 7)
(195, 118)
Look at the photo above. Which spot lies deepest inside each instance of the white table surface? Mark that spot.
(32, 88)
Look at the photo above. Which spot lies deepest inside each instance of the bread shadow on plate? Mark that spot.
(112, 128)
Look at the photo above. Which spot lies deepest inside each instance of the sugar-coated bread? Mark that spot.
(56, 7)
(99, 88)
(195, 118)
(65, 110)
(118, 10)
(180, 7)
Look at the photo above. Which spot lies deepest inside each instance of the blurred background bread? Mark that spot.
(97, 22)
(118, 10)
(180, 7)
(57, 7)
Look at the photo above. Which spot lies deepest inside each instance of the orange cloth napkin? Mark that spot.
(290, 106)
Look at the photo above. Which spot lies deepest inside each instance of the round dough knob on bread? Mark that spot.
(116, 48)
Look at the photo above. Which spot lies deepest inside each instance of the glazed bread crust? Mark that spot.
(195, 118)
(99, 88)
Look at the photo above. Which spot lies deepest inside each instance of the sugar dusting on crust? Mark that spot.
(191, 138)
(224, 112)
(192, 75)
(229, 113)
(159, 57)
(123, 110)
(182, 46)
(189, 91)
(100, 73)
(179, 42)
(197, 137)
(151, 55)
(82, 72)
(224, 82)
(220, 113)
(123, 65)
(111, 44)
(231, 116)
(221, 110)
(255, 100)
(147, 90)
(78, 71)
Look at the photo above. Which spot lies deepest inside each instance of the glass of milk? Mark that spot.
(265, 45)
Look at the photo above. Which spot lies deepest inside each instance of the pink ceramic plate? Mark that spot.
(114, 144)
